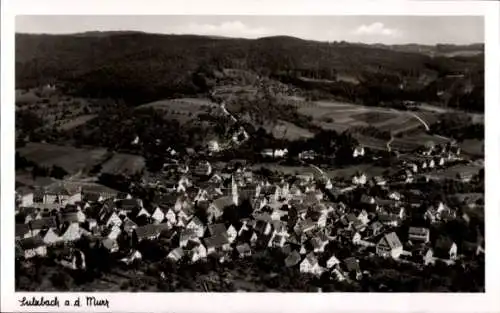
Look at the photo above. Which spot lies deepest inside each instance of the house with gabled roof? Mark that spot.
(111, 219)
(134, 255)
(150, 231)
(216, 208)
(196, 251)
(419, 234)
(111, 232)
(277, 241)
(332, 262)
(128, 225)
(244, 250)
(41, 224)
(70, 232)
(353, 268)
(50, 236)
(389, 219)
(171, 217)
(376, 228)
(186, 236)
(33, 246)
(158, 215)
(232, 234)
(217, 229)
(389, 246)
(197, 225)
(175, 255)
(22, 231)
(445, 248)
(110, 244)
(217, 243)
(310, 265)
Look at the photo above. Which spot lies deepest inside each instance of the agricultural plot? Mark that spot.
(457, 171)
(371, 142)
(374, 117)
(289, 131)
(75, 122)
(409, 143)
(122, 163)
(182, 109)
(71, 159)
(335, 115)
(473, 147)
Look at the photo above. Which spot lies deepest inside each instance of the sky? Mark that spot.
(366, 29)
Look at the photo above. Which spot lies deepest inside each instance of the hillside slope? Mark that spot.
(140, 67)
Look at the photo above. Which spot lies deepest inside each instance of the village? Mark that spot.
(227, 210)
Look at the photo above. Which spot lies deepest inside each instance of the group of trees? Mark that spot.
(163, 66)
(459, 126)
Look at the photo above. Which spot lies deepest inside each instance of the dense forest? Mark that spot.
(139, 67)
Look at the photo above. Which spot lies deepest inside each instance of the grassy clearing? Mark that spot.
(289, 131)
(122, 163)
(72, 123)
(374, 117)
(70, 158)
(473, 147)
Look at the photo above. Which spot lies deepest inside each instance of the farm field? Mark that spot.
(462, 170)
(122, 163)
(345, 172)
(289, 131)
(341, 116)
(473, 147)
(412, 142)
(72, 123)
(182, 109)
(69, 158)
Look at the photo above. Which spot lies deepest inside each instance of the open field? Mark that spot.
(71, 159)
(287, 130)
(409, 143)
(374, 117)
(345, 172)
(182, 109)
(75, 122)
(473, 147)
(122, 163)
(341, 116)
(466, 170)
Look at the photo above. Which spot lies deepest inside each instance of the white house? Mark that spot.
(50, 237)
(158, 215)
(359, 179)
(310, 265)
(420, 234)
(71, 233)
(358, 152)
(33, 246)
(232, 234)
(171, 217)
(197, 226)
(332, 261)
(389, 245)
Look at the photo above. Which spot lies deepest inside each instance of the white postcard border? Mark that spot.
(217, 302)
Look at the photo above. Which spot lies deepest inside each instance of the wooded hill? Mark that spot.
(139, 67)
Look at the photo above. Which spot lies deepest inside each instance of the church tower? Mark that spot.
(234, 191)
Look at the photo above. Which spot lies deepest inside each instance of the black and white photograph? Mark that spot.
(249, 154)
(222, 153)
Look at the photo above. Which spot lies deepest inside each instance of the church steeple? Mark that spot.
(234, 191)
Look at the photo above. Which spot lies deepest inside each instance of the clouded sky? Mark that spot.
(368, 29)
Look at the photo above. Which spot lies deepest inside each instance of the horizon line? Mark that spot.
(246, 38)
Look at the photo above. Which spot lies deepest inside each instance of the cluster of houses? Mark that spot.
(300, 217)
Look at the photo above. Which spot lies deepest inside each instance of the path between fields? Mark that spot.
(389, 143)
(421, 120)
